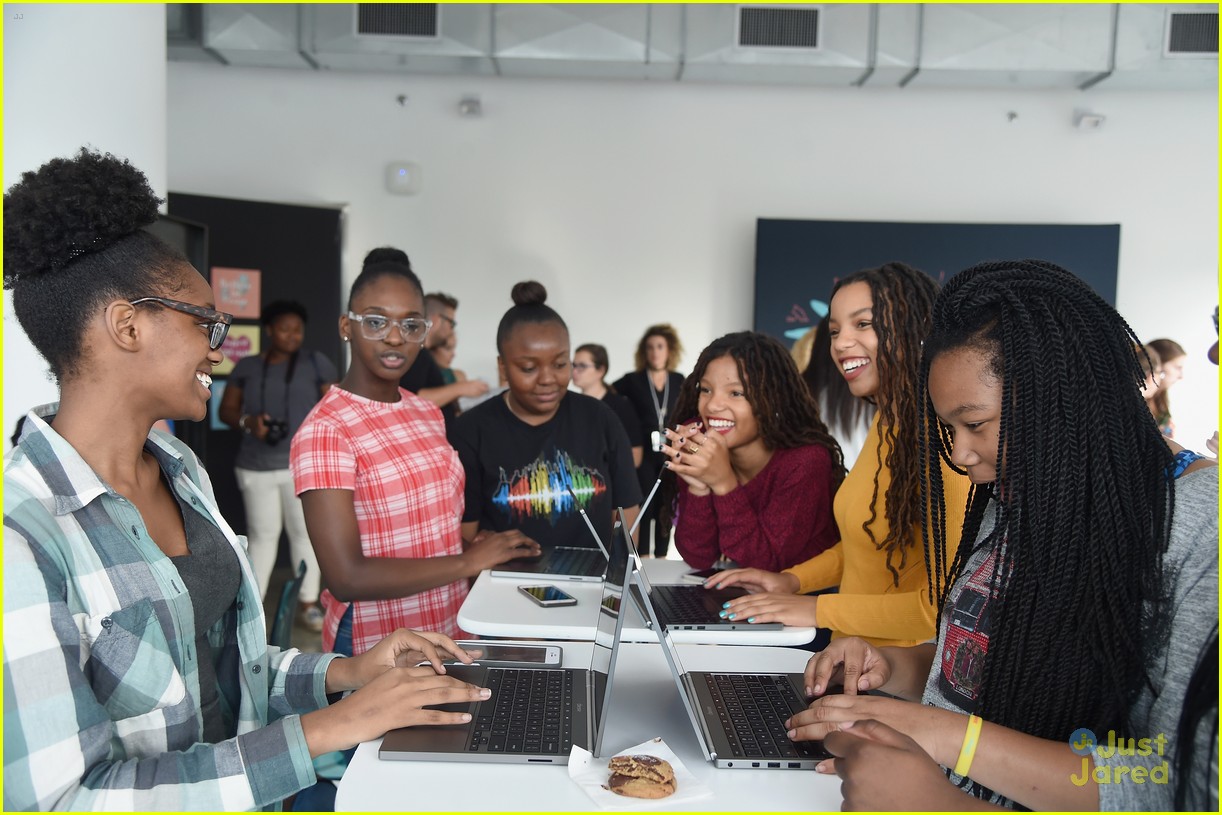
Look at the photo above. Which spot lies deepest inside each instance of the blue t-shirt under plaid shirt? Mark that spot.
(101, 678)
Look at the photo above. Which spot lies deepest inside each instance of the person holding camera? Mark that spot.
(267, 398)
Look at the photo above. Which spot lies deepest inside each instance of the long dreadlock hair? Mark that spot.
(1083, 499)
(902, 303)
(785, 412)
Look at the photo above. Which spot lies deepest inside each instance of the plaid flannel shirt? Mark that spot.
(101, 683)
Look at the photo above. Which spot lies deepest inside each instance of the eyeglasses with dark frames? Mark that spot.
(218, 322)
(377, 326)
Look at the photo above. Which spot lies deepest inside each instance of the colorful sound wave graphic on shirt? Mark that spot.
(540, 489)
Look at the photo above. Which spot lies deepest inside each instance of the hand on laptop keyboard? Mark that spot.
(494, 548)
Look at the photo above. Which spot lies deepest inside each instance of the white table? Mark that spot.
(495, 608)
(645, 703)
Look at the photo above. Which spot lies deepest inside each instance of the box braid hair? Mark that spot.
(903, 300)
(784, 410)
(1083, 501)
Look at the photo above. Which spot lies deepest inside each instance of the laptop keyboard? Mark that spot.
(753, 710)
(575, 561)
(531, 711)
(678, 605)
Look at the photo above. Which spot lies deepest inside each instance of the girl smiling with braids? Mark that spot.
(878, 319)
(759, 481)
(1086, 595)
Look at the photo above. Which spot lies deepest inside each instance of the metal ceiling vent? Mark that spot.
(1192, 34)
(397, 19)
(778, 27)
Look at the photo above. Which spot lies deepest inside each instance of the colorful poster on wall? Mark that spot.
(242, 341)
(237, 291)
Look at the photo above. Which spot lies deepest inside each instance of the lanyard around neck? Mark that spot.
(660, 409)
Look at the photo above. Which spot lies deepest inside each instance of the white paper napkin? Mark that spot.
(591, 774)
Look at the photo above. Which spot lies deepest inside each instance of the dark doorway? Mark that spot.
(297, 252)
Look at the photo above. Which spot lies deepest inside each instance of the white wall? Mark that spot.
(75, 76)
(636, 202)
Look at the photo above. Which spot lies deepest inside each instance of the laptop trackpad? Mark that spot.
(471, 674)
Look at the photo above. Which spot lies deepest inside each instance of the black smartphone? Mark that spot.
(548, 596)
(700, 575)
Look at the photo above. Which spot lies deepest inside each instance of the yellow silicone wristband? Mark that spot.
(968, 751)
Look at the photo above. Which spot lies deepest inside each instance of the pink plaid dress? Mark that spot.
(407, 486)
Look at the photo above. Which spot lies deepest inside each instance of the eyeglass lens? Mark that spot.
(377, 327)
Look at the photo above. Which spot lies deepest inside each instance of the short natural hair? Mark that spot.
(435, 301)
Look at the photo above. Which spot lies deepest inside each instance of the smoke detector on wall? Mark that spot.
(403, 178)
(1085, 120)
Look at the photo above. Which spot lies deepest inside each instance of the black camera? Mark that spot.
(277, 429)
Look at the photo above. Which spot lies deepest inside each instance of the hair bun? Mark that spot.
(529, 293)
(70, 207)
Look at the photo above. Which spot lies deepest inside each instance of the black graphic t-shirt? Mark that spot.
(518, 474)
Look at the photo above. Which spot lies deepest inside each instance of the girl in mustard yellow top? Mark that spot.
(878, 319)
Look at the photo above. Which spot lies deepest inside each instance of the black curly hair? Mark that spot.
(382, 261)
(529, 306)
(1083, 505)
(784, 410)
(902, 303)
(278, 308)
(74, 240)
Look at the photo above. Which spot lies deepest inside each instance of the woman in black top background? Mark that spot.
(653, 390)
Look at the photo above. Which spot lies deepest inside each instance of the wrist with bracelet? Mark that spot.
(968, 751)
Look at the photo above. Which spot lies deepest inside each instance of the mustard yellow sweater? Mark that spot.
(869, 604)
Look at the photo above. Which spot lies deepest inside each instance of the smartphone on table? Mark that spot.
(548, 596)
(510, 655)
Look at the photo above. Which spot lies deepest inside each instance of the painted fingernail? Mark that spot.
(721, 614)
(750, 619)
(726, 604)
(732, 616)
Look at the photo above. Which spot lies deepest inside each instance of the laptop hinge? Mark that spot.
(690, 688)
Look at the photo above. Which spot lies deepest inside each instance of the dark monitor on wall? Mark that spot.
(191, 239)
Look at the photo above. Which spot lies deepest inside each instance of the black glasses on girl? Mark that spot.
(217, 322)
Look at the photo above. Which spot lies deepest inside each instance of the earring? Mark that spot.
(344, 338)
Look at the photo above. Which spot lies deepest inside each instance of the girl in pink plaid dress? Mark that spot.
(381, 487)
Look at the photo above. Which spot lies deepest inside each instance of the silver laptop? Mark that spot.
(738, 717)
(580, 563)
(535, 715)
(695, 608)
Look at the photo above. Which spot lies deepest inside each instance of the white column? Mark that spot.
(76, 75)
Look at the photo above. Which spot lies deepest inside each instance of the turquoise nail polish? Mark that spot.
(731, 616)
(721, 614)
(726, 604)
(750, 619)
